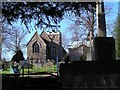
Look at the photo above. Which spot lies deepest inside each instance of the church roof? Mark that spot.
(45, 36)
(31, 38)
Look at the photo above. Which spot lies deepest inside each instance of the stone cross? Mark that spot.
(101, 25)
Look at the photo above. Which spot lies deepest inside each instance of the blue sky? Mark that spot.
(65, 23)
(110, 17)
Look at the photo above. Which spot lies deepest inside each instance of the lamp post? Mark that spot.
(28, 65)
(57, 65)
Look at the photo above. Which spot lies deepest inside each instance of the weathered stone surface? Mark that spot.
(47, 45)
(38, 65)
(107, 79)
(104, 48)
(90, 81)
(48, 64)
(99, 80)
(91, 75)
(116, 80)
(79, 81)
(67, 81)
(116, 88)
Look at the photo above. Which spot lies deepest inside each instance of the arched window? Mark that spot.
(36, 47)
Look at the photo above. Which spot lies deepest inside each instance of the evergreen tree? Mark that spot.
(117, 37)
(45, 13)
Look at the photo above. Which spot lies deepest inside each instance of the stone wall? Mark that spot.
(92, 75)
(42, 54)
(50, 47)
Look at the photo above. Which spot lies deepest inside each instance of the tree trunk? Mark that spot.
(0, 44)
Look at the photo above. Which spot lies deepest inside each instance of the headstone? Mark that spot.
(88, 56)
(37, 65)
(11, 70)
(49, 64)
(104, 48)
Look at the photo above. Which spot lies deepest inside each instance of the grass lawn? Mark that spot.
(5, 72)
(33, 70)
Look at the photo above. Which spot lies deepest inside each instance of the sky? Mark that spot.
(110, 17)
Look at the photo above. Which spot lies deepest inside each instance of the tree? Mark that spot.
(45, 13)
(0, 34)
(18, 56)
(85, 24)
(117, 36)
(0, 41)
(13, 39)
(83, 27)
(65, 40)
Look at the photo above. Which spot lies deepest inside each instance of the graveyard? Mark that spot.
(44, 70)
(33, 70)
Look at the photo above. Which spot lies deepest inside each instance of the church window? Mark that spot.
(36, 47)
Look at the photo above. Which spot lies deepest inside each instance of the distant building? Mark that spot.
(47, 45)
(76, 52)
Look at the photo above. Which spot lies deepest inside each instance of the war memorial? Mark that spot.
(102, 73)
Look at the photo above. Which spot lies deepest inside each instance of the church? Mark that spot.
(44, 47)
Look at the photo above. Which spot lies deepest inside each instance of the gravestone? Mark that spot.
(49, 64)
(37, 65)
(104, 48)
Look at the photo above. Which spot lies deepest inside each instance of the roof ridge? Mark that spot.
(46, 34)
(31, 38)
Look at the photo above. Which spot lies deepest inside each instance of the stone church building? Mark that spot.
(44, 47)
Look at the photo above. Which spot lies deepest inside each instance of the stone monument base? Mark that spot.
(104, 48)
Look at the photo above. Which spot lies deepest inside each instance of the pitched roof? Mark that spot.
(31, 38)
(78, 46)
(45, 36)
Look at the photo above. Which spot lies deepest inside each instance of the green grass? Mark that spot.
(43, 70)
(33, 70)
(5, 72)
